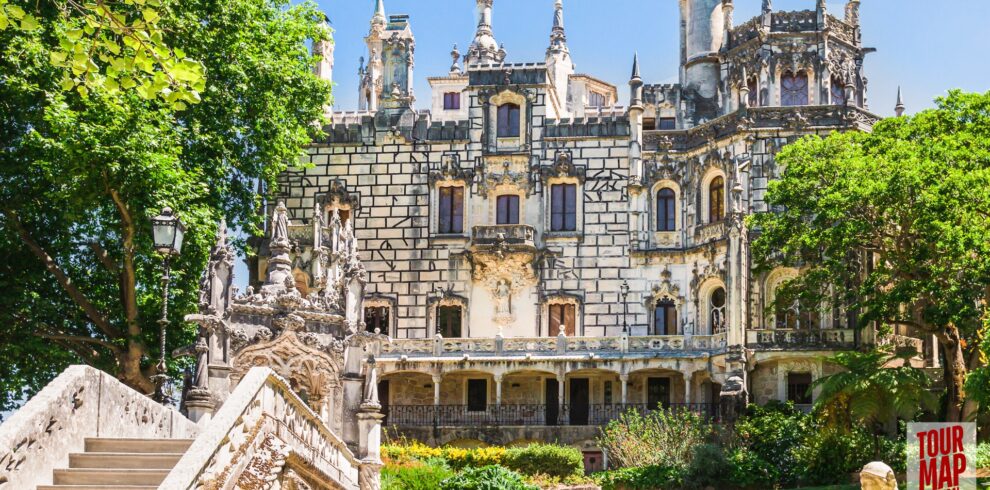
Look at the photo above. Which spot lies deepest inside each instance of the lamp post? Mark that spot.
(625, 309)
(167, 232)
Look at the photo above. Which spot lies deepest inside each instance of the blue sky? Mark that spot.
(926, 46)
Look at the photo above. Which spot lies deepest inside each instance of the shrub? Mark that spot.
(642, 478)
(417, 476)
(772, 433)
(660, 438)
(749, 470)
(709, 467)
(983, 455)
(460, 458)
(486, 478)
(549, 459)
(403, 453)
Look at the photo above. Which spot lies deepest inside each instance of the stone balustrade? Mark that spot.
(710, 232)
(81, 402)
(264, 422)
(507, 234)
(549, 347)
(800, 339)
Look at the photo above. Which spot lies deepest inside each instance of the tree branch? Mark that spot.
(104, 258)
(79, 338)
(63, 279)
(128, 279)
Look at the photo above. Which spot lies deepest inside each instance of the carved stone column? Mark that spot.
(624, 385)
(498, 390)
(437, 378)
(687, 385)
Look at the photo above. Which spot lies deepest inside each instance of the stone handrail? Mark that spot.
(560, 345)
(262, 415)
(511, 234)
(801, 338)
(81, 402)
(711, 231)
(903, 341)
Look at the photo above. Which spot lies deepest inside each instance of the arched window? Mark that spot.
(666, 210)
(665, 317)
(794, 89)
(796, 317)
(838, 92)
(716, 200)
(717, 311)
(508, 121)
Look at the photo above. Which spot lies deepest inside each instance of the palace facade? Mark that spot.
(543, 259)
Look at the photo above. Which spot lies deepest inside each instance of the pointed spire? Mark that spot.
(558, 40)
(379, 15)
(899, 107)
(635, 85)
(484, 49)
(767, 6)
(635, 69)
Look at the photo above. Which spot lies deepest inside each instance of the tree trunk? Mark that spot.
(955, 372)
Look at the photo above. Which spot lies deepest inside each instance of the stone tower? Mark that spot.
(702, 30)
(559, 64)
(484, 49)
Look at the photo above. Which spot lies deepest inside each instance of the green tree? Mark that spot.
(873, 390)
(892, 226)
(82, 173)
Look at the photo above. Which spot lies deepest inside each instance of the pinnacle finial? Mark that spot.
(767, 5)
(635, 68)
(379, 12)
(899, 107)
(558, 40)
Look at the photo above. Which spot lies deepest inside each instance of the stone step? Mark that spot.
(97, 487)
(94, 476)
(160, 446)
(145, 461)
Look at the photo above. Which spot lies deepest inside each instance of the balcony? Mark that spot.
(504, 235)
(526, 415)
(794, 339)
(550, 347)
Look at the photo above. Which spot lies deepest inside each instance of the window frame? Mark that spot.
(793, 96)
(563, 217)
(565, 312)
(451, 101)
(716, 314)
(448, 213)
(665, 305)
(505, 216)
(384, 321)
(508, 124)
(806, 396)
(440, 326)
(716, 199)
(666, 210)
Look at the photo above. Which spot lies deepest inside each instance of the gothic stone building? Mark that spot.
(543, 259)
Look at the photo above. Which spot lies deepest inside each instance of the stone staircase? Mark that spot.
(119, 464)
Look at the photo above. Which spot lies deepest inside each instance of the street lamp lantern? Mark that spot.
(167, 231)
(624, 289)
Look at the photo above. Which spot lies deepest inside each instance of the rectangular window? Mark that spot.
(667, 123)
(508, 121)
(596, 99)
(665, 318)
(449, 321)
(451, 210)
(451, 101)
(563, 207)
(376, 319)
(649, 124)
(507, 210)
(477, 395)
(561, 319)
(798, 388)
(607, 393)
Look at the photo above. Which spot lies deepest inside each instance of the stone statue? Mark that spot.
(280, 226)
(202, 363)
(502, 297)
(215, 285)
(877, 476)
(370, 383)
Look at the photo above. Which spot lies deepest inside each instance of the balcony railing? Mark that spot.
(552, 346)
(526, 414)
(507, 234)
(801, 339)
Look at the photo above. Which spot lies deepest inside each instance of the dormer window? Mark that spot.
(794, 89)
(508, 121)
(451, 101)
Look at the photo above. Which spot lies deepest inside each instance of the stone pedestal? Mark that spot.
(200, 405)
(369, 446)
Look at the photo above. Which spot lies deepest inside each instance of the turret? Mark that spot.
(899, 106)
(559, 64)
(484, 49)
(702, 28)
(324, 50)
(635, 122)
